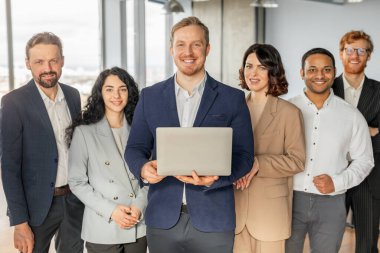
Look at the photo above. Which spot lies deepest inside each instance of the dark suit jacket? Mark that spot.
(30, 155)
(211, 209)
(369, 106)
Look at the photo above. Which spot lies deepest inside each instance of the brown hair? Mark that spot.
(46, 38)
(187, 22)
(269, 57)
(353, 36)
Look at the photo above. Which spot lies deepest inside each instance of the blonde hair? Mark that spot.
(187, 22)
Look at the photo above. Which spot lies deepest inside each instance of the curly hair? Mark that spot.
(270, 58)
(94, 110)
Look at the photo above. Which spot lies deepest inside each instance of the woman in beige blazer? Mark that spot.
(264, 196)
(98, 174)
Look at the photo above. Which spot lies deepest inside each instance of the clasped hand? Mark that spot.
(126, 217)
(243, 183)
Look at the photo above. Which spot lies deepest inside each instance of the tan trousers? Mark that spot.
(245, 243)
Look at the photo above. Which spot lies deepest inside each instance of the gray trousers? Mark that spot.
(64, 220)
(322, 217)
(184, 238)
(135, 247)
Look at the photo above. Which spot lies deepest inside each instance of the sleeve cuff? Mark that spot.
(338, 183)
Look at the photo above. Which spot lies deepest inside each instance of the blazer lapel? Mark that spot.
(208, 98)
(39, 106)
(111, 153)
(339, 87)
(267, 115)
(70, 101)
(366, 96)
(170, 100)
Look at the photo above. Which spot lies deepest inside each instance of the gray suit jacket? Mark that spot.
(100, 178)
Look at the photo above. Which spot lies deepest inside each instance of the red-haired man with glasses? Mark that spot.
(357, 89)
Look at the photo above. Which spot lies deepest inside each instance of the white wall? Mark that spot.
(231, 25)
(210, 13)
(299, 25)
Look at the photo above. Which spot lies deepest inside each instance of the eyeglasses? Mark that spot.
(360, 51)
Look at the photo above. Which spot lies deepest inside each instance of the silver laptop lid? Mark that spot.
(207, 150)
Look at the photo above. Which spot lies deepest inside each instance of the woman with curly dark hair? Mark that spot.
(98, 174)
(264, 196)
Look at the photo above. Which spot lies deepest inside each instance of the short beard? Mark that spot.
(47, 85)
(355, 71)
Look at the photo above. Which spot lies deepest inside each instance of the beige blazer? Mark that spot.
(266, 206)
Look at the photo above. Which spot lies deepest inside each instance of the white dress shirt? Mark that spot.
(352, 95)
(187, 108)
(337, 144)
(60, 119)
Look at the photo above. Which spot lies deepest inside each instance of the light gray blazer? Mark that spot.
(100, 178)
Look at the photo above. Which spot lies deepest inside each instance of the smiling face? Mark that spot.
(45, 62)
(189, 50)
(318, 74)
(115, 95)
(256, 74)
(355, 63)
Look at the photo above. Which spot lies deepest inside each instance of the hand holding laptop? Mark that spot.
(197, 180)
(149, 172)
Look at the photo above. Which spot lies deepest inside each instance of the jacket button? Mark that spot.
(131, 195)
(56, 160)
(107, 163)
(51, 184)
(115, 198)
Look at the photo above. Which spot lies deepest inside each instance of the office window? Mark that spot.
(75, 22)
(155, 42)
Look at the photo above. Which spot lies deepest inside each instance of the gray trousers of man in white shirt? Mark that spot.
(322, 217)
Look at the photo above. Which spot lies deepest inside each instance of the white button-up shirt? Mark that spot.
(188, 104)
(60, 119)
(352, 95)
(337, 144)
(187, 108)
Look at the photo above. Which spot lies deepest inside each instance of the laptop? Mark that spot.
(207, 150)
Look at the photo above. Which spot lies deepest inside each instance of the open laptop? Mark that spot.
(207, 150)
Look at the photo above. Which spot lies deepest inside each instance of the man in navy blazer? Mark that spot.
(189, 213)
(34, 157)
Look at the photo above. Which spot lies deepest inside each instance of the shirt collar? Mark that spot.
(326, 103)
(198, 88)
(58, 98)
(347, 85)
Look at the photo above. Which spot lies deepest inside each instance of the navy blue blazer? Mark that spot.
(30, 155)
(211, 209)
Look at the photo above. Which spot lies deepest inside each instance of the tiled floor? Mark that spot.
(6, 233)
